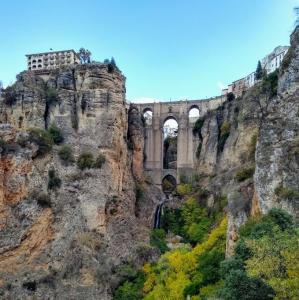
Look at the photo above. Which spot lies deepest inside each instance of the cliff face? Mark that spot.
(276, 177)
(250, 148)
(69, 242)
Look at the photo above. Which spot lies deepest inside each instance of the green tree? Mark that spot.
(85, 161)
(42, 138)
(259, 71)
(238, 286)
(66, 154)
(56, 133)
(54, 181)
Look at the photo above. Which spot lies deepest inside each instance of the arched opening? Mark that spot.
(168, 184)
(193, 114)
(170, 143)
(148, 116)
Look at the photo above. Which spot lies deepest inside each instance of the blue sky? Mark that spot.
(167, 49)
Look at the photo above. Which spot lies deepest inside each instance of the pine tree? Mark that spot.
(259, 71)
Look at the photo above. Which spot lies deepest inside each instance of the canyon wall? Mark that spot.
(69, 242)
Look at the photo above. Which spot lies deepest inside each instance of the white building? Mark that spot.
(273, 60)
(250, 80)
(52, 60)
(270, 63)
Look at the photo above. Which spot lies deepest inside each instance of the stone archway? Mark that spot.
(169, 183)
(186, 143)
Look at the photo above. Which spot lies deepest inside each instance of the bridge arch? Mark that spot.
(193, 113)
(187, 143)
(148, 115)
(169, 183)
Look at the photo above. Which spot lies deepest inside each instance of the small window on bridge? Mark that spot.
(193, 114)
(148, 116)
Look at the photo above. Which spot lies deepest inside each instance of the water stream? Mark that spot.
(159, 213)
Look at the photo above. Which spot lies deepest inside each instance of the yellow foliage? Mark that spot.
(176, 268)
(218, 233)
(149, 283)
(147, 268)
(184, 189)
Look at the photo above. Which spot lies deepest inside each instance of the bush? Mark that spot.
(54, 181)
(230, 97)
(158, 240)
(230, 264)
(238, 286)
(281, 218)
(100, 160)
(286, 192)
(244, 174)
(85, 161)
(9, 95)
(131, 290)
(252, 147)
(43, 199)
(66, 154)
(42, 138)
(224, 134)
(184, 189)
(56, 134)
(197, 127)
(225, 128)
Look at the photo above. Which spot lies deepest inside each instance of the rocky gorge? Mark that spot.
(66, 231)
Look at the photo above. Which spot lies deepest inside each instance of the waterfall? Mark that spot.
(158, 214)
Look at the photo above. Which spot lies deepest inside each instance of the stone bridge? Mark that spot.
(186, 142)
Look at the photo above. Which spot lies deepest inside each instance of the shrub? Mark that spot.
(66, 154)
(230, 264)
(238, 285)
(225, 128)
(224, 134)
(269, 84)
(184, 189)
(230, 96)
(244, 174)
(85, 161)
(287, 192)
(281, 218)
(100, 160)
(9, 95)
(197, 127)
(54, 181)
(131, 290)
(158, 240)
(89, 240)
(252, 147)
(56, 133)
(43, 199)
(167, 185)
(42, 138)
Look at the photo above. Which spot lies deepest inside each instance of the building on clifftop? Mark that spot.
(52, 60)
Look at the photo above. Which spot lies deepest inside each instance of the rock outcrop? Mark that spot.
(69, 242)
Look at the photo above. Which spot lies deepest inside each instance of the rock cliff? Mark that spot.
(69, 242)
(250, 148)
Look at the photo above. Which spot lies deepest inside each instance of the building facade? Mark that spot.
(273, 61)
(52, 60)
(269, 63)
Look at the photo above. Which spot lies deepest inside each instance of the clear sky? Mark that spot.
(167, 49)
